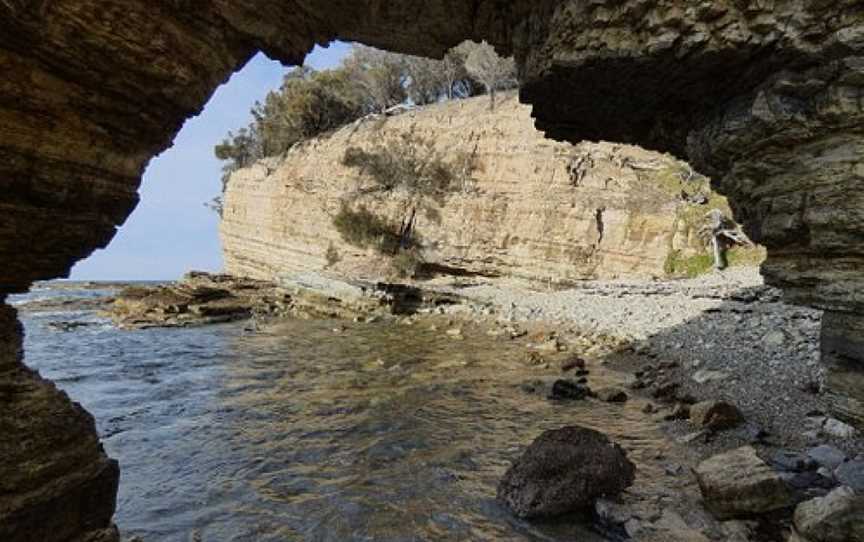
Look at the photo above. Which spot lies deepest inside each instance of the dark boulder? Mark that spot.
(565, 470)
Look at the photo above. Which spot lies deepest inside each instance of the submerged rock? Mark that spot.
(567, 390)
(739, 484)
(565, 470)
(612, 395)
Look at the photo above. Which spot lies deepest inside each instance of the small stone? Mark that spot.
(838, 429)
(691, 437)
(573, 362)
(715, 415)
(649, 408)
(665, 391)
(552, 345)
(827, 456)
(612, 395)
(704, 375)
(738, 484)
(680, 412)
(455, 332)
(774, 339)
(534, 359)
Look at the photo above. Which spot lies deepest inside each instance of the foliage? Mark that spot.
(364, 229)
(412, 164)
(311, 103)
(494, 72)
(407, 263)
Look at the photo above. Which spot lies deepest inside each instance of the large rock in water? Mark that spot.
(739, 484)
(565, 470)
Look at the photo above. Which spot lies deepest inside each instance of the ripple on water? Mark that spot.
(377, 433)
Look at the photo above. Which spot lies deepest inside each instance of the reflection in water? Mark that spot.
(299, 433)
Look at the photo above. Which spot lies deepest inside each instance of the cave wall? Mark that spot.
(764, 95)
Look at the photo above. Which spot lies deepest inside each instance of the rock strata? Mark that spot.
(532, 208)
(58, 484)
(565, 470)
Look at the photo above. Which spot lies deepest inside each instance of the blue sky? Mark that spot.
(171, 231)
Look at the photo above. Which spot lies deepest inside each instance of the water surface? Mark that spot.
(297, 432)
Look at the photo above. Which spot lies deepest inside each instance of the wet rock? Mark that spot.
(69, 326)
(837, 517)
(564, 390)
(573, 362)
(827, 456)
(680, 412)
(851, 474)
(665, 391)
(612, 395)
(534, 359)
(739, 484)
(565, 470)
(715, 415)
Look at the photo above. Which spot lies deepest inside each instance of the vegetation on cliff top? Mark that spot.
(369, 81)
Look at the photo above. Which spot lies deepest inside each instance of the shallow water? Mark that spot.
(380, 432)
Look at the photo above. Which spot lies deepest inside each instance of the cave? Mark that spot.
(766, 97)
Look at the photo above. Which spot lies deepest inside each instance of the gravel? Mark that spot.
(730, 330)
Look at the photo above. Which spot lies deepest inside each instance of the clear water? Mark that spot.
(381, 432)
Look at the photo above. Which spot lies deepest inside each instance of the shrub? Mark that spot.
(332, 256)
(364, 229)
(407, 263)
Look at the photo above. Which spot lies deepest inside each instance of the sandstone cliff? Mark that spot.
(532, 208)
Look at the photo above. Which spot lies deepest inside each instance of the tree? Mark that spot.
(379, 74)
(415, 167)
(493, 72)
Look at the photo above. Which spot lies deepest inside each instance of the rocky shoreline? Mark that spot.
(726, 369)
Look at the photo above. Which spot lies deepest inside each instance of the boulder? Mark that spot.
(739, 484)
(836, 517)
(565, 470)
(851, 474)
(715, 415)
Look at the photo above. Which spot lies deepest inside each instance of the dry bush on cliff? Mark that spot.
(364, 229)
(494, 72)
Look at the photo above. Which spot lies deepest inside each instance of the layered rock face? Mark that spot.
(764, 95)
(532, 208)
(57, 482)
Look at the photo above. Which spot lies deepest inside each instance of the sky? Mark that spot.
(171, 231)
